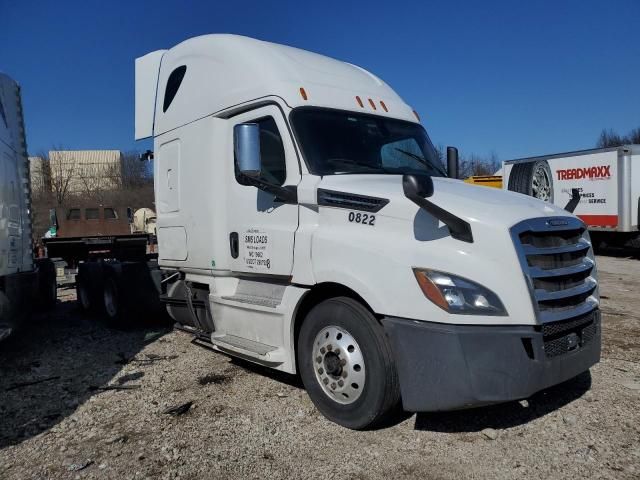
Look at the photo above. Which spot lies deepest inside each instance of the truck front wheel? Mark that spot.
(347, 365)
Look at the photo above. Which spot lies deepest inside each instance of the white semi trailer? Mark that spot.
(304, 223)
(24, 282)
(607, 181)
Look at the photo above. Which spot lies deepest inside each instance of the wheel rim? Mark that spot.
(83, 297)
(338, 364)
(110, 299)
(541, 184)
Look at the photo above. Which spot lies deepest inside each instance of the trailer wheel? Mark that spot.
(47, 284)
(113, 302)
(533, 179)
(346, 364)
(83, 295)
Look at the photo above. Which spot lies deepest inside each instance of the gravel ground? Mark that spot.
(248, 422)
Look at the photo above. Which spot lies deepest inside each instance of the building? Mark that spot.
(80, 172)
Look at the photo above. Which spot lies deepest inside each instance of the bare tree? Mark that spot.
(135, 172)
(39, 177)
(474, 164)
(60, 173)
(610, 138)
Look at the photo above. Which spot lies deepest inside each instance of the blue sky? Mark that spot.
(509, 77)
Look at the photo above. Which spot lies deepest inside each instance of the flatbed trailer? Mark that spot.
(114, 274)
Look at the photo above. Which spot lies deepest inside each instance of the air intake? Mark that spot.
(331, 198)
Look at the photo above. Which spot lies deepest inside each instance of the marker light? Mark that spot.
(458, 295)
(373, 105)
(359, 100)
(384, 107)
(303, 93)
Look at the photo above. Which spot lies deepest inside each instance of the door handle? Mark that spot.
(234, 244)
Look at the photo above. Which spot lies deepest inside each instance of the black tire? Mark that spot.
(83, 295)
(89, 284)
(380, 397)
(113, 306)
(522, 179)
(47, 284)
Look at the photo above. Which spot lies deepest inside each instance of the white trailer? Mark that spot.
(305, 223)
(23, 281)
(607, 179)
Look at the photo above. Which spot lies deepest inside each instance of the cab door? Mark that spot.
(262, 228)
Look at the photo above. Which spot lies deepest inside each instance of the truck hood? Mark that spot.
(490, 206)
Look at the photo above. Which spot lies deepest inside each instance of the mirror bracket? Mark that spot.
(574, 201)
(283, 194)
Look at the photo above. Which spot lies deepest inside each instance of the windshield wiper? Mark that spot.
(366, 168)
(423, 161)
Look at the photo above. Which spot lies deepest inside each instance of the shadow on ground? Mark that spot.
(618, 252)
(509, 414)
(56, 363)
(499, 416)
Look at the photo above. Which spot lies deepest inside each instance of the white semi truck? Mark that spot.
(305, 223)
(607, 181)
(24, 281)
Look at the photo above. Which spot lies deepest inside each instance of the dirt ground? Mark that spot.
(247, 422)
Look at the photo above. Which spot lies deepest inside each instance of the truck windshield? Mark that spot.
(336, 142)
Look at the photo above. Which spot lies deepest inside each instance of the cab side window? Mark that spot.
(272, 153)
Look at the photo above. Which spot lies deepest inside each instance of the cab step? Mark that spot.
(269, 302)
(242, 345)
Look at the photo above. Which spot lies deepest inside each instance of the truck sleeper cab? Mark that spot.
(304, 223)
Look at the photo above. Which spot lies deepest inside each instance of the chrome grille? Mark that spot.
(556, 260)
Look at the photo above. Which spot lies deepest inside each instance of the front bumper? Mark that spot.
(449, 367)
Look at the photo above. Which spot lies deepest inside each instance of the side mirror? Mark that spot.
(246, 142)
(452, 162)
(148, 155)
(417, 186)
(53, 218)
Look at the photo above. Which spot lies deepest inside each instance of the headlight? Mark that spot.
(458, 295)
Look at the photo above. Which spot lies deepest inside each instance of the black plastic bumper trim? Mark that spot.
(451, 367)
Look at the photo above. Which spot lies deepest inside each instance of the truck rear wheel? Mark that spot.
(83, 295)
(533, 179)
(113, 302)
(89, 282)
(47, 285)
(347, 365)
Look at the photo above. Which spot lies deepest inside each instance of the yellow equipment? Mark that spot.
(494, 181)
